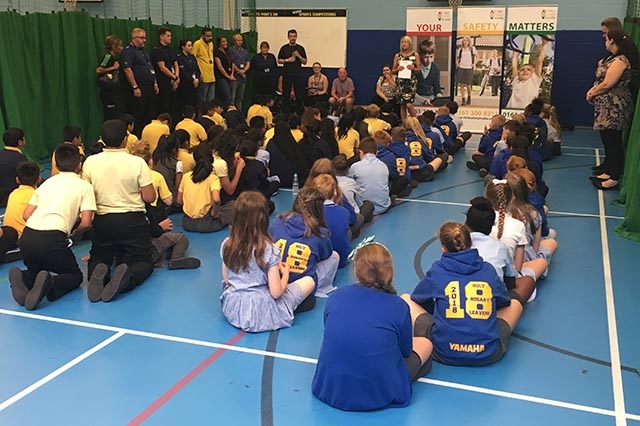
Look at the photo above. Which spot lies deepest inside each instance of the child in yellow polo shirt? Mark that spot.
(51, 214)
(199, 194)
(73, 136)
(166, 244)
(13, 225)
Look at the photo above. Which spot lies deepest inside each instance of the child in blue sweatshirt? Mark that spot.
(369, 355)
(336, 216)
(399, 183)
(425, 161)
(462, 305)
(304, 241)
(444, 122)
(482, 158)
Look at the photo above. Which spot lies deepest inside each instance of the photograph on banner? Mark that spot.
(479, 64)
(430, 30)
(529, 55)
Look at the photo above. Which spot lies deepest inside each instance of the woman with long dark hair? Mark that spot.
(223, 72)
(612, 102)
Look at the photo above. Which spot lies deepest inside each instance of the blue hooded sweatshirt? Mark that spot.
(301, 253)
(448, 127)
(403, 156)
(464, 294)
(389, 159)
(487, 144)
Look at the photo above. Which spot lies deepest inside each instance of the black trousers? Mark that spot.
(8, 240)
(482, 161)
(122, 238)
(613, 152)
(456, 144)
(400, 187)
(143, 108)
(49, 251)
(297, 82)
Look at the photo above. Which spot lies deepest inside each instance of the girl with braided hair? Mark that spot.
(506, 228)
(369, 355)
(462, 305)
(305, 245)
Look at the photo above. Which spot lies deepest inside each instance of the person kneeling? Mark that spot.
(51, 214)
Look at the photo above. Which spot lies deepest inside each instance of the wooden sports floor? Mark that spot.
(164, 355)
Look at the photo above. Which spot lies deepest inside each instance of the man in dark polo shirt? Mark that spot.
(141, 76)
(292, 56)
(10, 157)
(165, 64)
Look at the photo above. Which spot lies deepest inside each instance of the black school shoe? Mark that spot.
(19, 291)
(472, 165)
(119, 280)
(41, 286)
(184, 263)
(96, 282)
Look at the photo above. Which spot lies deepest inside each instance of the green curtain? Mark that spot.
(630, 190)
(47, 71)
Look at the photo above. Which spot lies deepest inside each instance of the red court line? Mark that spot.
(183, 382)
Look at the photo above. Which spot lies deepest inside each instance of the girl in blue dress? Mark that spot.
(257, 294)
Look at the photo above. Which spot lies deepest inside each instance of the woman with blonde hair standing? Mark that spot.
(405, 65)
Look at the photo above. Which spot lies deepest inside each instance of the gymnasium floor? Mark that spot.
(163, 354)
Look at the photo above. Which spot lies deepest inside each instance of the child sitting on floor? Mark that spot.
(369, 355)
(305, 245)
(462, 305)
(257, 294)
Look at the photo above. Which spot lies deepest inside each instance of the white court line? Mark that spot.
(307, 360)
(616, 373)
(581, 147)
(451, 203)
(46, 379)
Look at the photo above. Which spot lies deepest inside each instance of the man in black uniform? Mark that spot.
(292, 56)
(165, 64)
(142, 79)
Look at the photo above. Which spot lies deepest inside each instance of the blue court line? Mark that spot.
(307, 360)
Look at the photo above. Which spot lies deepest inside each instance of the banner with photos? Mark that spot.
(478, 64)
(430, 30)
(529, 55)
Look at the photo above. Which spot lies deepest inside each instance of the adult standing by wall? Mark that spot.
(629, 49)
(611, 99)
(224, 71)
(292, 56)
(203, 51)
(264, 65)
(405, 66)
(141, 77)
(241, 64)
(189, 74)
(108, 78)
(165, 64)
